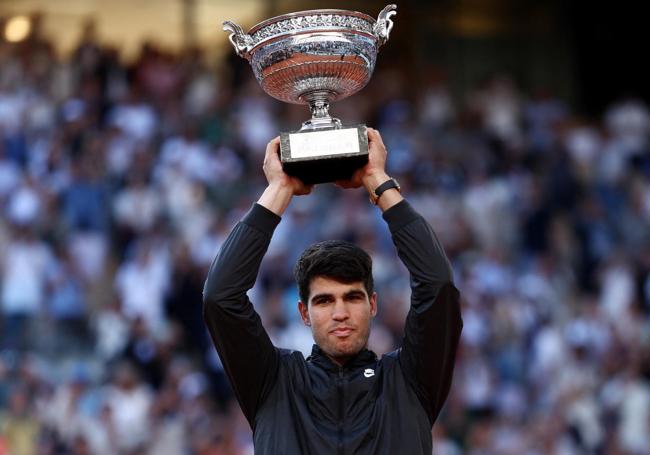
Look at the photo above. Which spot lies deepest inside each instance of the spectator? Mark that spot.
(142, 283)
(24, 266)
(130, 402)
(18, 426)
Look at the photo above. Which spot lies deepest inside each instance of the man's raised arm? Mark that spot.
(433, 324)
(249, 358)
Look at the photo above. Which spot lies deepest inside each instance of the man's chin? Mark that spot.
(343, 350)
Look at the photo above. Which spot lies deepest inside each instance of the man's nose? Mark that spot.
(340, 311)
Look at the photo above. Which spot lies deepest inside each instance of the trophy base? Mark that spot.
(324, 155)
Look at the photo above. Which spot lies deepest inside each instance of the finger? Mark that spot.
(374, 136)
(298, 184)
(272, 154)
(272, 146)
(304, 190)
(345, 184)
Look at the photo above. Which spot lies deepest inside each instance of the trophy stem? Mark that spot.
(319, 108)
(319, 105)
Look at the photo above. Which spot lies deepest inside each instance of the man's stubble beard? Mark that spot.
(342, 349)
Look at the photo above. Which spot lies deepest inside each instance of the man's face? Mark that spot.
(339, 315)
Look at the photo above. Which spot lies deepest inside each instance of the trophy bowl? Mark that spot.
(315, 57)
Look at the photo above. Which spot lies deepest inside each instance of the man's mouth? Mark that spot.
(341, 331)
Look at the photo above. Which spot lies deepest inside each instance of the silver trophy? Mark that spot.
(316, 57)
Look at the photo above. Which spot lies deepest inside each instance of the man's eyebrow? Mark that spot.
(321, 296)
(354, 293)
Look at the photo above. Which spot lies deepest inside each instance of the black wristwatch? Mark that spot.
(387, 185)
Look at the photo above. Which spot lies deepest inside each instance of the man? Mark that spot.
(341, 399)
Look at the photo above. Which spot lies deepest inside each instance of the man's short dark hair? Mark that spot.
(335, 259)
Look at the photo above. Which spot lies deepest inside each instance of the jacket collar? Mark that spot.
(361, 359)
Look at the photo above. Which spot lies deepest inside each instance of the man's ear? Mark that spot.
(304, 312)
(373, 305)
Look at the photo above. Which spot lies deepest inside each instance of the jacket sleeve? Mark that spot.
(246, 351)
(433, 324)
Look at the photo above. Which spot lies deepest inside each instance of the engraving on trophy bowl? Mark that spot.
(314, 57)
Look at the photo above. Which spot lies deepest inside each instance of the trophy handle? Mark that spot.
(384, 24)
(242, 42)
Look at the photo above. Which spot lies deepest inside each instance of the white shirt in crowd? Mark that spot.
(24, 276)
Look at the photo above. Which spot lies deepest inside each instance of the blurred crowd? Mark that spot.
(119, 181)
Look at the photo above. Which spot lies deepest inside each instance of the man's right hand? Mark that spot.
(275, 175)
(282, 187)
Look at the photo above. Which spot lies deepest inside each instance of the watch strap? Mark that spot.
(387, 185)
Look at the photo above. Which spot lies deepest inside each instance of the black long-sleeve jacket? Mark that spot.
(312, 406)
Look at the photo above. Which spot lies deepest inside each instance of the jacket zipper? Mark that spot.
(340, 381)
